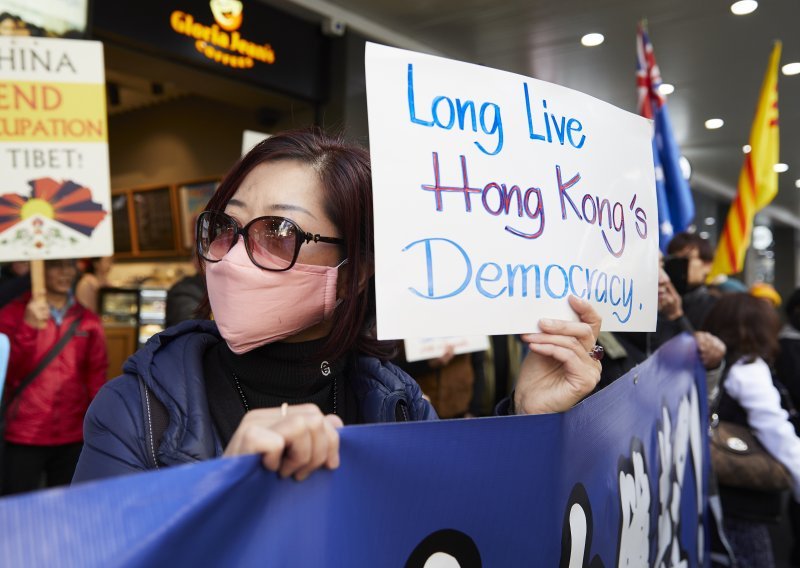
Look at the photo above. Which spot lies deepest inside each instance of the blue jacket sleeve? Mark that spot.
(113, 432)
(420, 408)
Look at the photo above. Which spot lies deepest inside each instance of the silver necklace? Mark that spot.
(247, 406)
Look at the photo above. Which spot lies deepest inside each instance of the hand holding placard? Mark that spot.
(558, 372)
(37, 312)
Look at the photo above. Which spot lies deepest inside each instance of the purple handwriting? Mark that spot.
(510, 200)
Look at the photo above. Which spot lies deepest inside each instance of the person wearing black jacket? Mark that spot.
(15, 280)
(697, 299)
(184, 298)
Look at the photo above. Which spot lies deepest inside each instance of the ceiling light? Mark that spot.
(791, 68)
(666, 88)
(714, 123)
(797, 183)
(744, 7)
(746, 148)
(780, 168)
(591, 40)
(762, 237)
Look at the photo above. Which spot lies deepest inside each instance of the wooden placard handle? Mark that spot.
(37, 278)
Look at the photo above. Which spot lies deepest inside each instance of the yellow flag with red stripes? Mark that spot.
(758, 180)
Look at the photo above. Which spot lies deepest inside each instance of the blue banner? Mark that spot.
(619, 480)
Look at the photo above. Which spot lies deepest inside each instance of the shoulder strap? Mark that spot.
(156, 420)
(28, 379)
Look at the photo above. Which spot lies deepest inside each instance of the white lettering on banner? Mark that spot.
(490, 188)
(636, 501)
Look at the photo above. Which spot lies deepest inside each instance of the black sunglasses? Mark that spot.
(272, 243)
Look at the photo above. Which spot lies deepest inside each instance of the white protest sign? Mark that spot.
(434, 347)
(250, 138)
(55, 199)
(496, 196)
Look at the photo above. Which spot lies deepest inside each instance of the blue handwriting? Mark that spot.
(445, 112)
(493, 280)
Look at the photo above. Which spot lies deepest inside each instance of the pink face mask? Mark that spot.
(253, 307)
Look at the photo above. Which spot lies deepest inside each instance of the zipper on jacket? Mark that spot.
(152, 447)
(401, 411)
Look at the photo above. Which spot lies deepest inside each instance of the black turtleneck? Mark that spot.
(271, 375)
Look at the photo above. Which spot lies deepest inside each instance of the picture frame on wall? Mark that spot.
(193, 198)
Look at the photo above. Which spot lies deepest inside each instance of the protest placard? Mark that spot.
(250, 138)
(497, 195)
(433, 347)
(55, 198)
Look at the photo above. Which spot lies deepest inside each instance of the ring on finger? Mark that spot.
(597, 353)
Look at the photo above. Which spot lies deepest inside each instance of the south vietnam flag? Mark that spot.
(66, 202)
(758, 180)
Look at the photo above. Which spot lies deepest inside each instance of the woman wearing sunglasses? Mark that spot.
(286, 244)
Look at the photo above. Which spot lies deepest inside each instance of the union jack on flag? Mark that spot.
(648, 75)
(674, 197)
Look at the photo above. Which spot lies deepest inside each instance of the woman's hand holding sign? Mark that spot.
(559, 371)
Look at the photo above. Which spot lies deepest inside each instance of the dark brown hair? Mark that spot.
(682, 241)
(345, 175)
(747, 325)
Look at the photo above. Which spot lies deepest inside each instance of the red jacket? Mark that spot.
(50, 410)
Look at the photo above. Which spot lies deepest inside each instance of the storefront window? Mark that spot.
(154, 222)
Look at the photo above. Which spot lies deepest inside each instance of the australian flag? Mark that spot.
(675, 203)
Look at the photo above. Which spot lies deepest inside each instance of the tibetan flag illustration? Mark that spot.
(49, 204)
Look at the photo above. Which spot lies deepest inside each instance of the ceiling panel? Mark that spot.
(716, 61)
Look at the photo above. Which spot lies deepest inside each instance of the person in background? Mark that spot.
(11, 25)
(44, 421)
(454, 384)
(15, 280)
(697, 300)
(787, 370)
(749, 328)
(95, 276)
(623, 351)
(291, 354)
(13, 270)
(185, 297)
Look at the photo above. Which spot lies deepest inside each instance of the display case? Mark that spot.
(119, 306)
(144, 309)
(152, 312)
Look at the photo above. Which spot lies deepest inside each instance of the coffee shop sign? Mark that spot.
(221, 42)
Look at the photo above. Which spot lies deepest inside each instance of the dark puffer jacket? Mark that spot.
(118, 425)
